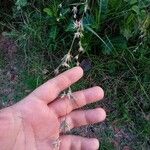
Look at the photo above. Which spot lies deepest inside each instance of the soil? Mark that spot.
(8, 71)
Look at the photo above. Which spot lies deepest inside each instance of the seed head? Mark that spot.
(75, 10)
(76, 57)
(56, 71)
(65, 64)
(81, 49)
(60, 5)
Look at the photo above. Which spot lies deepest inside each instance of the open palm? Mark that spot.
(39, 119)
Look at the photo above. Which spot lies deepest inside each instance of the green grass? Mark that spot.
(116, 40)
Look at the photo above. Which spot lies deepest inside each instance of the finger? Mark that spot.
(69, 142)
(80, 118)
(51, 89)
(64, 106)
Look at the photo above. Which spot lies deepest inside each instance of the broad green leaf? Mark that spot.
(136, 9)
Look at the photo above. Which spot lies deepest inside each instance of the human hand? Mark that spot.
(34, 123)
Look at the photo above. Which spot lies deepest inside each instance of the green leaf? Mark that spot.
(70, 27)
(136, 9)
(92, 31)
(115, 44)
(88, 20)
(132, 2)
(103, 6)
(65, 11)
(54, 32)
(48, 11)
(120, 43)
(115, 3)
(127, 33)
(21, 3)
(100, 12)
(130, 25)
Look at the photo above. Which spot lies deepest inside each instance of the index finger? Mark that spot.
(52, 88)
